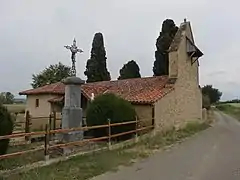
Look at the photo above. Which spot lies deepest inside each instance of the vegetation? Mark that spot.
(6, 98)
(206, 102)
(213, 93)
(116, 109)
(164, 40)
(52, 74)
(237, 101)
(88, 166)
(130, 70)
(16, 108)
(6, 128)
(231, 109)
(96, 68)
(21, 160)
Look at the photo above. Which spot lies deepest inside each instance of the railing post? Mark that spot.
(136, 128)
(46, 143)
(109, 134)
(27, 127)
(50, 124)
(153, 122)
(54, 121)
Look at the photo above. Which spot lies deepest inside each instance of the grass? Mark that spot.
(21, 160)
(16, 108)
(234, 104)
(87, 166)
(232, 109)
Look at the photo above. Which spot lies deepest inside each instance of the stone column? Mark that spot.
(72, 111)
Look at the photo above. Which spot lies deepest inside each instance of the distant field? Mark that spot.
(232, 109)
(16, 107)
(235, 104)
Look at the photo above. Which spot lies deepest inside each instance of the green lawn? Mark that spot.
(24, 159)
(87, 166)
(232, 109)
(234, 104)
(13, 108)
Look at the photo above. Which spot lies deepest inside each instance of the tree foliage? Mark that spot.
(52, 74)
(109, 106)
(6, 128)
(206, 102)
(6, 98)
(130, 70)
(231, 101)
(213, 93)
(164, 40)
(96, 68)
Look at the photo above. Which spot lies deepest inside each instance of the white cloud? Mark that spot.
(33, 33)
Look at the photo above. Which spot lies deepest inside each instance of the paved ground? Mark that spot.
(213, 154)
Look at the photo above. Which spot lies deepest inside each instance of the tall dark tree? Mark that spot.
(130, 70)
(96, 68)
(53, 73)
(164, 40)
(6, 128)
(213, 93)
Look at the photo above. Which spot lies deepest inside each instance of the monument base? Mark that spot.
(72, 112)
(71, 118)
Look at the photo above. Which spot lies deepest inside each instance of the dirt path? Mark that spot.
(211, 154)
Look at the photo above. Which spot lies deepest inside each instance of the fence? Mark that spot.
(48, 133)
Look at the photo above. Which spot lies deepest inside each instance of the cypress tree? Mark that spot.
(96, 68)
(129, 70)
(164, 40)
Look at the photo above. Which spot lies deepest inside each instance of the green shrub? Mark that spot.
(224, 107)
(6, 128)
(109, 106)
(206, 102)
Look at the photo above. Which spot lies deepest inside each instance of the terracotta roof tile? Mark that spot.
(138, 90)
(55, 88)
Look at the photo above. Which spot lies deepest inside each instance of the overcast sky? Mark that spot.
(33, 33)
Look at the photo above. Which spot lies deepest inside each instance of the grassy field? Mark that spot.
(24, 159)
(87, 166)
(14, 108)
(234, 104)
(232, 109)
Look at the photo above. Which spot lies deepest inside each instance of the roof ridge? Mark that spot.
(129, 79)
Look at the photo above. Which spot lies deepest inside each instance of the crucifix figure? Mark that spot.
(74, 49)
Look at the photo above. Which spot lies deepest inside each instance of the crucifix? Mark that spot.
(74, 50)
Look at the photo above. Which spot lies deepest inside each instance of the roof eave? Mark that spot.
(141, 103)
(40, 93)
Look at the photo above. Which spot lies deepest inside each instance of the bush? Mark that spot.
(206, 102)
(224, 107)
(6, 128)
(109, 106)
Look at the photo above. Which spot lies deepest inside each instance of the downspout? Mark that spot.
(153, 116)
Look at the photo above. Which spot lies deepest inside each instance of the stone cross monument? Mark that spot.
(72, 111)
(74, 50)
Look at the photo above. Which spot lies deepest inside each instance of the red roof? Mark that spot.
(138, 90)
(55, 88)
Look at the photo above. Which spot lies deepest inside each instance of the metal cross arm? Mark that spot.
(74, 50)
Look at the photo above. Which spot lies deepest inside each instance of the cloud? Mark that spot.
(33, 33)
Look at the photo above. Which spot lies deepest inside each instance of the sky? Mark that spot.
(33, 34)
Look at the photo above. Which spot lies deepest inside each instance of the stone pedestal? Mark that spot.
(72, 111)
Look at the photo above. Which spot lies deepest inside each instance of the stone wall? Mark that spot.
(184, 103)
(144, 114)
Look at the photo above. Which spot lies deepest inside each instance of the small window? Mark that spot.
(37, 103)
